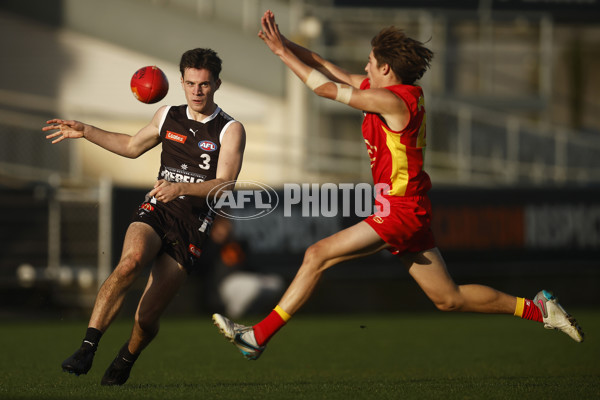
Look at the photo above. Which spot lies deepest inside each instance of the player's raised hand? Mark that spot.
(65, 129)
(270, 33)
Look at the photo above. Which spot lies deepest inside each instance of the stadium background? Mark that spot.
(513, 138)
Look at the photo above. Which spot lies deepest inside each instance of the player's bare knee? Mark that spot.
(128, 268)
(313, 257)
(148, 323)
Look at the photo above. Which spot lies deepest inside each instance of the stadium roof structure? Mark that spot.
(561, 10)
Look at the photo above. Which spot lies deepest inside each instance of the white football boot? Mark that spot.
(241, 336)
(555, 317)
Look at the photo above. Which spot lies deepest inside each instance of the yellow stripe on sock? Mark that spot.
(520, 307)
(284, 316)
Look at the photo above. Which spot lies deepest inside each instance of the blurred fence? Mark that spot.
(56, 241)
(471, 145)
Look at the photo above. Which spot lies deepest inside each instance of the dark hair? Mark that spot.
(201, 59)
(408, 58)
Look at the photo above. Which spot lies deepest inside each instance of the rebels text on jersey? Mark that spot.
(190, 152)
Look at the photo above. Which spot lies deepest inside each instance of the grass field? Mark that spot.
(403, 356)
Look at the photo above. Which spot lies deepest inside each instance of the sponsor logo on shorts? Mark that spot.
(176, 137)
(195, 251)
(207, 145)
(147, 207)
(378, 219)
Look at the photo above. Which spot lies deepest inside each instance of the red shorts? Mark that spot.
(403, 223)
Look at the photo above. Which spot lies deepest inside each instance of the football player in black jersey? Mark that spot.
(202, 148)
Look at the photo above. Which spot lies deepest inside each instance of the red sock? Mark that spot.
(265, 329)
(526, 309)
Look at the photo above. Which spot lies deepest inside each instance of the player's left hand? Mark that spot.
(165, 191)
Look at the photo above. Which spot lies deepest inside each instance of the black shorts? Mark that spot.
(182, 239)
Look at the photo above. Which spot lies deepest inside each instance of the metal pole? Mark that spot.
(560, 156)
(464, 144)
(53, 267)
(486, 43)
(512, 150)
(546, 46)
(104, 229)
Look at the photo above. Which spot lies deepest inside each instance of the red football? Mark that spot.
(149, 84)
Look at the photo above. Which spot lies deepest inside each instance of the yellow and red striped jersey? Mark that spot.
(398, 157)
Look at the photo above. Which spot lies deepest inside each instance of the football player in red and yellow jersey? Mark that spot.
(394, 129)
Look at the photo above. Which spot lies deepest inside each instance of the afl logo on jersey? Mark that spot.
(207, 145)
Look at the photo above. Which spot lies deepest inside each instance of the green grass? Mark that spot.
(408, 356)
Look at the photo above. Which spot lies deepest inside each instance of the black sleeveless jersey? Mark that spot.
(190, 152)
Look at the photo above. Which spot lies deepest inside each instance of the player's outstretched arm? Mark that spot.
(307, 66)
(314, 79)
(277, 42)
(373, 100)
(327, 68)
(118, 143)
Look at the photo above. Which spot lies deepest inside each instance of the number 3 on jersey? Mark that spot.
(205, 161)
